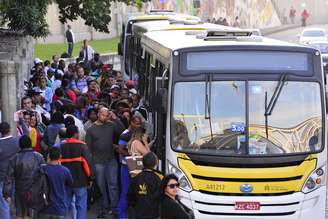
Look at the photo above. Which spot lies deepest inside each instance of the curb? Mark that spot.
(272, 30)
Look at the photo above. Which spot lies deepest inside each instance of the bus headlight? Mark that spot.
(315, 181)
(183, 181)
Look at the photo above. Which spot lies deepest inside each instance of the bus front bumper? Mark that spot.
(297, 205)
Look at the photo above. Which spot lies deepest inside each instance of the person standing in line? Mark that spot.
(70, 40)
(9, 147)
(138, 145)
(20, 173)
(80, 84)
(171, 207)
(45, 92)
(100, 138)
(145, 189)
(60, 181)
(77, 158)
(122, 149)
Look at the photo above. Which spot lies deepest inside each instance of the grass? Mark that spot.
(46, 51)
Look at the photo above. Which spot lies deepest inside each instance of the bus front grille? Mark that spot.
(246, 194)
(282, 179)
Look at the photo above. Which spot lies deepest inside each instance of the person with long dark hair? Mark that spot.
(171, 208)
(56, 123)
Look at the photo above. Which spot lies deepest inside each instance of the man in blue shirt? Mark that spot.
(60, 181)
(122, 149)
(80, 84)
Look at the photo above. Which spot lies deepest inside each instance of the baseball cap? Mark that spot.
(130, 84)
(115, 87)
(37, 61)
(133, 91)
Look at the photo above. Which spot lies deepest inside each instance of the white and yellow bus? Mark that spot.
(240, 120)
(127, 41)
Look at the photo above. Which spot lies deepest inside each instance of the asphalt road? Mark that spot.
(291, 34)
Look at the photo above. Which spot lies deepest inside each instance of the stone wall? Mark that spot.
(8, 104)
(18, 51)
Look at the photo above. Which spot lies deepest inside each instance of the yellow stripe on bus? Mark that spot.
(212, 178)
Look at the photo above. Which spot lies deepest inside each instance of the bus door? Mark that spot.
(160, 112)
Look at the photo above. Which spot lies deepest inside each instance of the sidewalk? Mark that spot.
(271, 30)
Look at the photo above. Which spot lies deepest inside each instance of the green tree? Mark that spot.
(29, 16)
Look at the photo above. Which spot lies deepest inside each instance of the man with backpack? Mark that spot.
(21, 171)
(9, 147)
(60, 181)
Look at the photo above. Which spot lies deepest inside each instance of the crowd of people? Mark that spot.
(78, 123)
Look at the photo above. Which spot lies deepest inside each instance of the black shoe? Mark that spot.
(101, 215)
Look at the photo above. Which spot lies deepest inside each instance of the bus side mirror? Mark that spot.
(119, 49)
(160, 101)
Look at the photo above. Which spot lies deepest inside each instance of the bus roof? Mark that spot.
(166, 25)
(175, 40)
(159, 16)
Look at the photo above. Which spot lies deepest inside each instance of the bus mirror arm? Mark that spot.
(164, 77)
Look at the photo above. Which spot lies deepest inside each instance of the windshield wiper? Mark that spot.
(272, 103)
(208, 95)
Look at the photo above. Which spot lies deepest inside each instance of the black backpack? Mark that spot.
(37, 196)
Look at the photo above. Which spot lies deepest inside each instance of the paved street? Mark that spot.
(291, 34)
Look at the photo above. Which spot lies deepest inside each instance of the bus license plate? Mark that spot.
(250, 206)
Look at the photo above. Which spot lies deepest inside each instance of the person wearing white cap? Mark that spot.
(37, 61)
(133, 91)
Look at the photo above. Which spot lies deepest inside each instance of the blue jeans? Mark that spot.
(4, 205)
(125, 183)
(79, 200)
(106, 176)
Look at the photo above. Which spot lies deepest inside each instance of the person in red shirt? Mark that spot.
(68, 93)
(305, 15)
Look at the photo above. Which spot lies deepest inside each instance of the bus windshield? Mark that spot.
(295, 125)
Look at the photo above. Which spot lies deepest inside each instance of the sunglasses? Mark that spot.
(172, 186)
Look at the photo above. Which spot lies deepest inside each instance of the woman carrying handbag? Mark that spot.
(138, 146)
